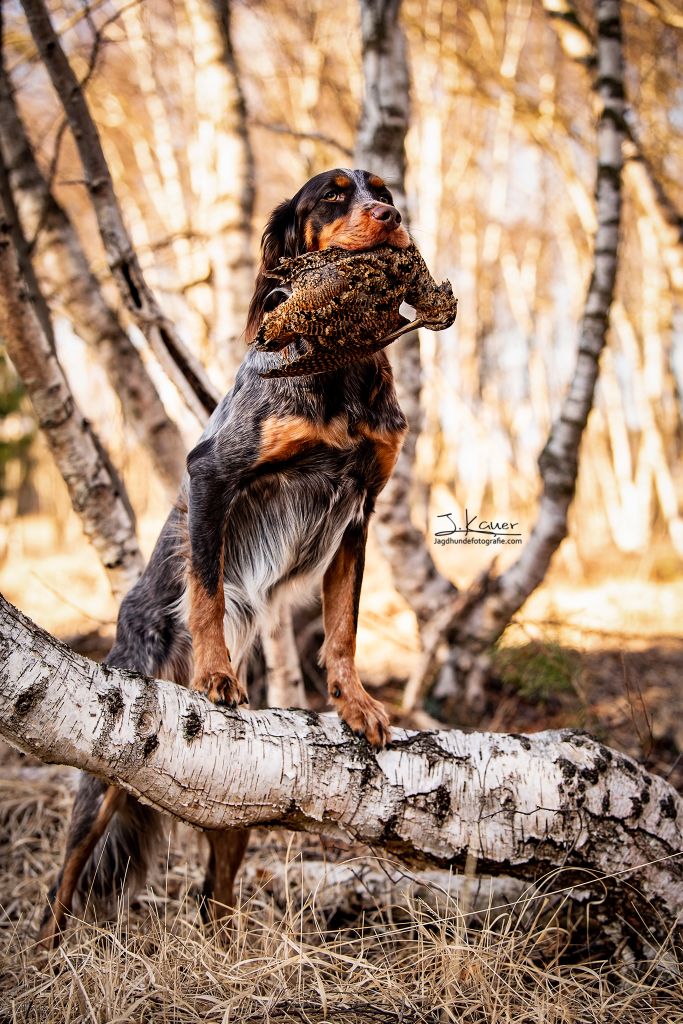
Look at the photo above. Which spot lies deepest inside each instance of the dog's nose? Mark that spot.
(389, 215)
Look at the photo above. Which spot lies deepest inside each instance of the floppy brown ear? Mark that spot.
(280, 239)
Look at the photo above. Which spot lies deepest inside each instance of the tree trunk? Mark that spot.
(95, 490)
(380, 148)
(62, 260)
(182, 367)
(578, 44)
(516, 805)
(225, 173)
(470, 635)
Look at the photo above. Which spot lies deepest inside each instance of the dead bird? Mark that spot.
(336, 306)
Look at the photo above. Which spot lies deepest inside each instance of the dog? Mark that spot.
(277, 498)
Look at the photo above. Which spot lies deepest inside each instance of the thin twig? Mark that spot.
(326, 140)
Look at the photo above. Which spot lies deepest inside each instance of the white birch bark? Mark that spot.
(639, 174)
(182, 367)
(93, 487)
(222, 167)
(518, 805)
(380, 148)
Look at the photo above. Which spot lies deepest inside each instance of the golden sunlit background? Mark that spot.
(210, 113)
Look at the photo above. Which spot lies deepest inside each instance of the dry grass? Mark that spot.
(293, 956)
(296, 954)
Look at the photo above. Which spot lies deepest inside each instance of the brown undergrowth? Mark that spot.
(297, 953)
(582, 657)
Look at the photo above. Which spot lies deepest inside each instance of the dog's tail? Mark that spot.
(122, 856)
(111, 842)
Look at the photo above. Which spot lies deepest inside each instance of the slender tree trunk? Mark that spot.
(578, 44)
(471, 634)
(519, 805)
(380, 148)
(225, 172)
(95, 490)
(22, 251)
(182, 367)
(60, 256)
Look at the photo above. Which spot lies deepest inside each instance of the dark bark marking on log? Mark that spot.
(366, 774)
(568, 769)
(147, 717)
(150, 745)
(442, 803)
(112, 710)
(591, 775)
(668, 807)
(193, 726)
(523, 741)
(31, 696)
(427, 744)
(627, 765)
(389, 832)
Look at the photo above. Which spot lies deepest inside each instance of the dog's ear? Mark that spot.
(280, 239)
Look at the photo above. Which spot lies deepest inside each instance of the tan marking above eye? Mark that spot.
(342, 182)
(376, 182)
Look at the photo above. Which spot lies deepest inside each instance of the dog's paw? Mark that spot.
(222, 688)
(366, 716)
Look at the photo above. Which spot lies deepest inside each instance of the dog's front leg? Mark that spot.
(212, 487)
(341, 595)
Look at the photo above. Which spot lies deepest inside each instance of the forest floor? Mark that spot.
(605, 656)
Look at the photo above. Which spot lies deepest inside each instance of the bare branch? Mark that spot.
(325, 140)
(183, 368)
(559, 460)
(578, 43)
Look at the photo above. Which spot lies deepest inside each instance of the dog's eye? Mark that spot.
(386, 198)
(332, 196)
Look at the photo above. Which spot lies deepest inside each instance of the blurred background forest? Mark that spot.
(210, 112)
(209, 115)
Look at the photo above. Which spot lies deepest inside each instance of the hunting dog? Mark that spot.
(277, 497)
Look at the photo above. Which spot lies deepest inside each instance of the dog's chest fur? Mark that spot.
(284, 523)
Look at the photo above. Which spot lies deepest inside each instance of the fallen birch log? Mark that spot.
(501, 804)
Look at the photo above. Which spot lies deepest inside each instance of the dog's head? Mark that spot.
(342, 208)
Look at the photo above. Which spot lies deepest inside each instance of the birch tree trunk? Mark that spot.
(519, 805)
(95, 490)
(224, 168)
(380, 148)
(470, 634)
(63, 262)
(639, 174)
(182, 367)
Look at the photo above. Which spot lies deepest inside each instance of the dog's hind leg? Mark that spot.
(226, 852)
